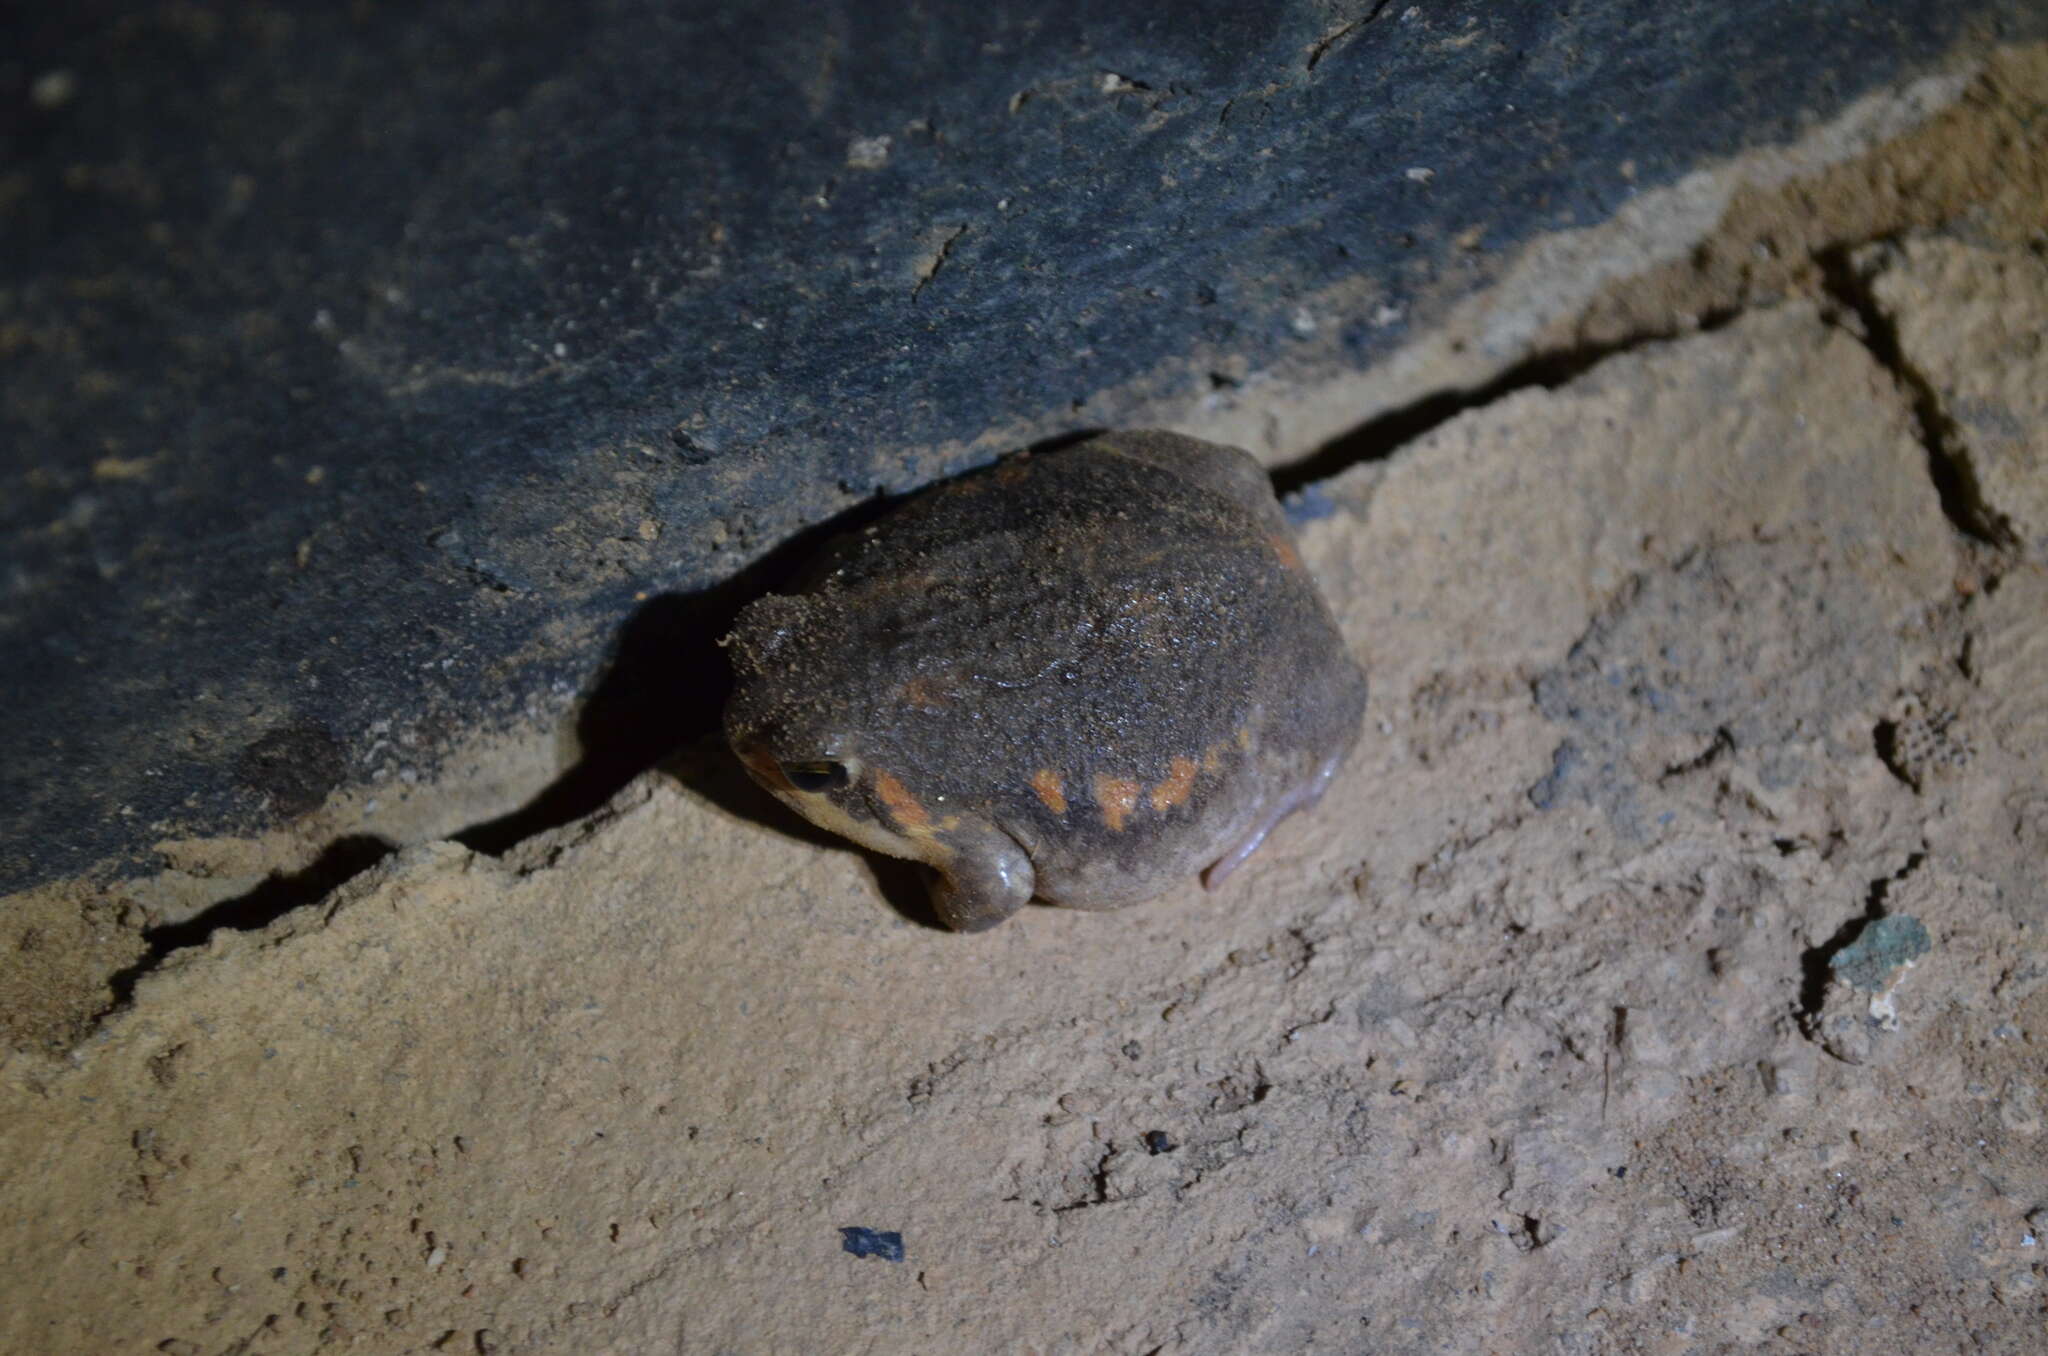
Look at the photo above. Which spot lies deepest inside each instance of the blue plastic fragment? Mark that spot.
(885, 1244)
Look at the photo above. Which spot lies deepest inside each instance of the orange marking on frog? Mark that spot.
(1178, 786)
(904, 808)
(1284, 549)
(1212, 759)
(1117, 796)
(1050, 789)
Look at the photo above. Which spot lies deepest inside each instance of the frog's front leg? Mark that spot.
(983, 878)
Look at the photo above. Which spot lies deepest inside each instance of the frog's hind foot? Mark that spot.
(1302, 797)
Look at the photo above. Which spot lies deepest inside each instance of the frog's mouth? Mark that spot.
(762, 766)
(838, 811)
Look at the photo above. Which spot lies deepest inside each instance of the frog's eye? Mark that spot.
(822, 775)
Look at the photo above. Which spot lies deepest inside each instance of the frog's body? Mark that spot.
(1081, 675)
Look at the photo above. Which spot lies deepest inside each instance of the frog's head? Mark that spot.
(811, 720)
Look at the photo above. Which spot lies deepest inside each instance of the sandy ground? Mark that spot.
(1664, 973)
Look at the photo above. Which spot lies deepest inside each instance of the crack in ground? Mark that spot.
(1948, 466)
(281, 892)
(1722, 744)
(1842, 284)
(1381, 437)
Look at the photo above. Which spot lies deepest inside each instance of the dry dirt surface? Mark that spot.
(1664, 973)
